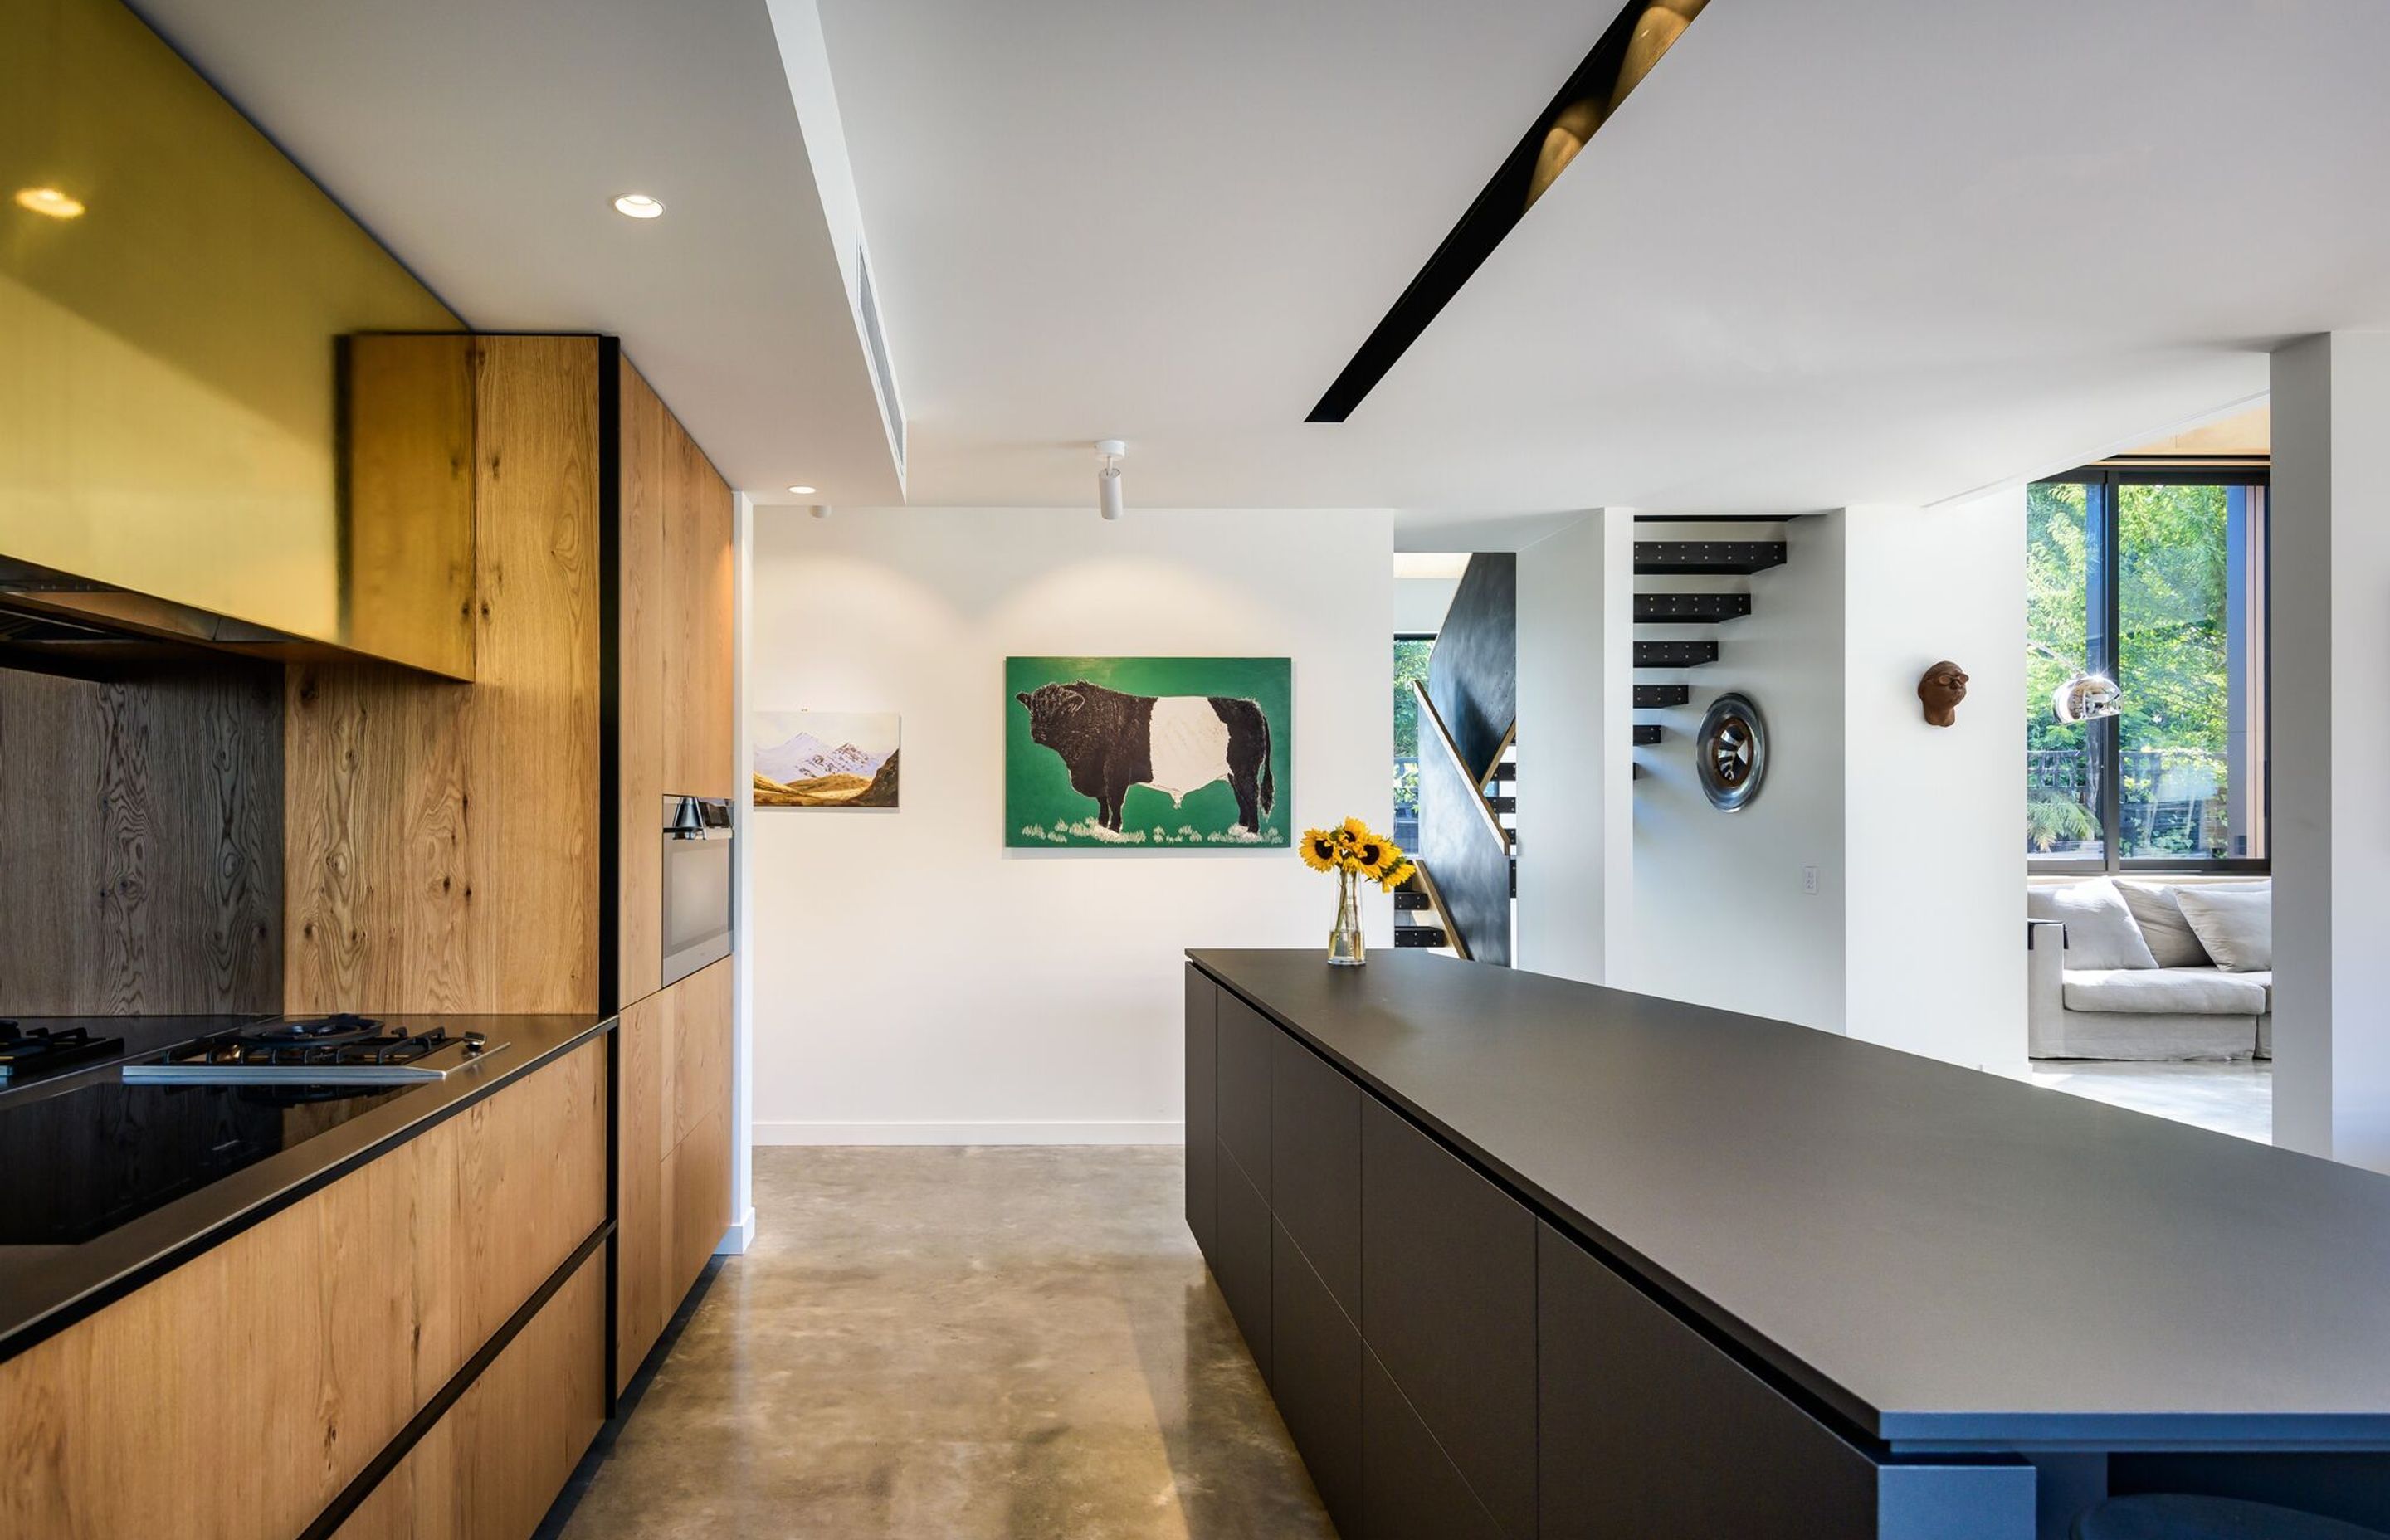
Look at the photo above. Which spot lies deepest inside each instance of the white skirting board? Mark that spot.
(969, 1132)
(736, 1239)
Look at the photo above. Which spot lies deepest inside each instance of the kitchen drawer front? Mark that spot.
(1448, 1306)
(1243, 1268)
(1410, 1490)
(1316, 1379)
(1316, 1164)
(1203, 1108)
(1246, 1041)
(1648, 1428)
(492, 1466)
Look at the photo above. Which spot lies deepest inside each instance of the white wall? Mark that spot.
(1720, 915)
(1576, 754)
(915, 982)
(1420, 603)
(1933, 860)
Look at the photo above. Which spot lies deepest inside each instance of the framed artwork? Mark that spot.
(1148, 751)
(824, 759)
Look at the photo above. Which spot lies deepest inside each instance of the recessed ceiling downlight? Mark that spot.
(638, 206)
(801, 492)
(50, 201)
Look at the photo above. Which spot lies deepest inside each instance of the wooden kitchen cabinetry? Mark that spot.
(676, 633)
(673, 1153)
(315, 1337)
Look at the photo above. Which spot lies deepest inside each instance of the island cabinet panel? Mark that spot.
(492, 1466)
(1202, 1109)
(671, 1150)
(1448, 1306)
(1315, 1165)
(316, 1335)
(1245, 1054)
(1411, 1491)
(1243, 1268)
(1316, 1379)
(1648, 1428)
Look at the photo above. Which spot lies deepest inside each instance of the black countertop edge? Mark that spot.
(45, 1290)
(1848, 1415)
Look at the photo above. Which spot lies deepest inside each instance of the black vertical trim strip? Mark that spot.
(610, 664)
(353, 1497)
(609, 804)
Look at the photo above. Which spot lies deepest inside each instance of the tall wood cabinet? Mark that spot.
(676, 717)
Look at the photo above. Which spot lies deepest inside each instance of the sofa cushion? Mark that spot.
(2172, 940)
(2264, 979)
(2236, 926)
(2164, 991)
(2100, 930)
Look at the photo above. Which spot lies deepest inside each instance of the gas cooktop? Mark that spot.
(319, 1050)
(38, 1050)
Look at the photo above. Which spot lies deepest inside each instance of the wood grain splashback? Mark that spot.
(443, 840)
(141, 841)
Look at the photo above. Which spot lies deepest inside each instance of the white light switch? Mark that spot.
(1809, 880)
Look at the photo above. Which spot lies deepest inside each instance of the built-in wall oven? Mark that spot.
(697, 886)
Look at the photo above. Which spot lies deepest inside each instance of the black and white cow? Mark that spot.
(1174, 743)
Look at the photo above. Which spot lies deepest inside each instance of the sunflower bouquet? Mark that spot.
(1354, 852)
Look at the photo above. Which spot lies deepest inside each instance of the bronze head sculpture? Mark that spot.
(1943, 688)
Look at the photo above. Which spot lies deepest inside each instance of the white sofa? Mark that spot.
(2143, 1012)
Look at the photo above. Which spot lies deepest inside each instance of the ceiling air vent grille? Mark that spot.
(892, 407)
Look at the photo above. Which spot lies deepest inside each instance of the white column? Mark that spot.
(1933, 817)
(1577, 833)
(2331, 606)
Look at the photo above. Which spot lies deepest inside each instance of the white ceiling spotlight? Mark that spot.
(1108, 476)
(638, 206)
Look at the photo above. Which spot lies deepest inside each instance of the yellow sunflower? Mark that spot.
(1353, 831)
(1321, 851)
(1402, 871)
(1371, 855)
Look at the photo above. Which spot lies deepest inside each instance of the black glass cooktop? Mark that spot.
(108, 1152)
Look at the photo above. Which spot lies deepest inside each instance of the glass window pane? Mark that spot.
(2062, 785)
(2188, 639)
(1410, 662)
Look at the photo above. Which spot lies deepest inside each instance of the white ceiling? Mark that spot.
(1843, 251)
(1864, 251)
(485, 142)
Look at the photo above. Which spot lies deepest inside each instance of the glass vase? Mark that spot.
(1345, 947)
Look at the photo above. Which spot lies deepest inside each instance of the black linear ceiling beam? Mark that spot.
(1490, 218)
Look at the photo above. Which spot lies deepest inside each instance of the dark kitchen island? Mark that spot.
(1522, 1256)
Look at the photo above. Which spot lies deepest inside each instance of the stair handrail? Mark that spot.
(1459, 942)
(1434, 718)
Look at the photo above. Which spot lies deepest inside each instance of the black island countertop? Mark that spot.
(1949, 1259)
(52, 1127)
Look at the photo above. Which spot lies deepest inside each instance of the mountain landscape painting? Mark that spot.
(825, 759)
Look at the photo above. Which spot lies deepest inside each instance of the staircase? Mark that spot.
(1677, 607)
(1468, 805)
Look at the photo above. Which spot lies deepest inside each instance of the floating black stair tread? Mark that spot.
(1503, 805)
(1652, 698)
(1690, 608)
(1646, 733)
(1707, 558)
(1408, 900)
(1675, 654)
(1420, 935)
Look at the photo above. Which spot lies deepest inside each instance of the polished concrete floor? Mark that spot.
(950, 1343)
(2235, 1099)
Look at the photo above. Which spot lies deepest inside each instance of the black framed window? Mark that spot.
(2154, 579)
